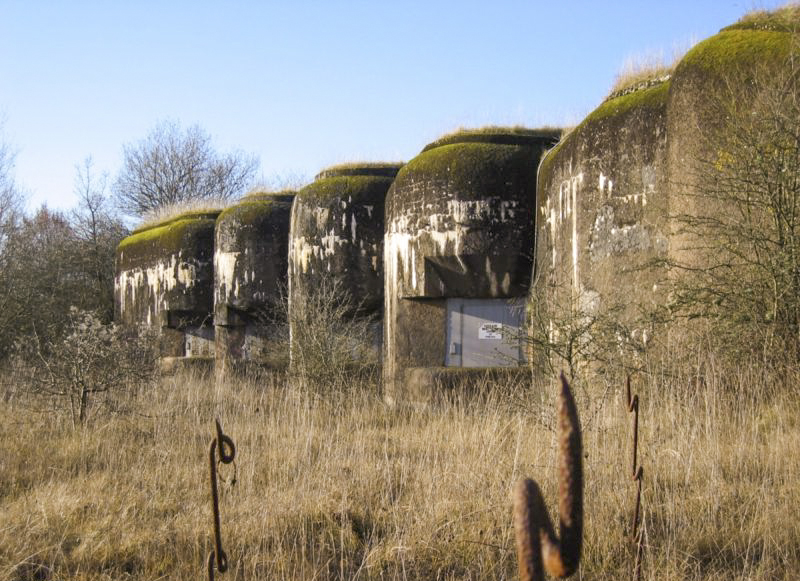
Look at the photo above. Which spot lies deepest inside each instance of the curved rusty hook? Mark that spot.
(538, 547)
(218, 555)
(226, 457)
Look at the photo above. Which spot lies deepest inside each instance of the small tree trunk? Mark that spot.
(72, 409)
(83, 404)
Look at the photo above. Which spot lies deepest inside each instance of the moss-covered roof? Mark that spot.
(376, 169)
(651, 95)
(641, 82)
(190, 215)
(735, 47)
(498, 136)
(166, 237)
(257, 205)
(267, 195)
(359, 188)
(761, 36)
(758, 36)
(473, 166)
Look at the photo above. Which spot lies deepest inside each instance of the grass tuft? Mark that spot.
(172, 212)
(640, 73)
(785, 18)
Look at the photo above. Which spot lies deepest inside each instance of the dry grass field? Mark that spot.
(338, 486)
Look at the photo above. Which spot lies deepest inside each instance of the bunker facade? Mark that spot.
(603, 204)
(615, 195)
(164, 278)
(250, 277)
(481, 239)
(336, 239)
(458, 257)
(723, 67)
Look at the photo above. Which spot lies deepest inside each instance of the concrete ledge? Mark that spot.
(202, 366)
(423, 385)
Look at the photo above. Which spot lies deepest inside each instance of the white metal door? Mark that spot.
(483, 333)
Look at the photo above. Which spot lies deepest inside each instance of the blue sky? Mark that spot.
(304, 85)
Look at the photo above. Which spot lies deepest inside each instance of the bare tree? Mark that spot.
(171, 166)
(10, 196)
(52, 261)
(97, 231)
(10, 217)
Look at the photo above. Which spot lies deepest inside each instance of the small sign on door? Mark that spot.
(490, 331)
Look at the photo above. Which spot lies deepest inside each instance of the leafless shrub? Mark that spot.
(92, 359)
(330, 339)
(737, 267)
(578, 333)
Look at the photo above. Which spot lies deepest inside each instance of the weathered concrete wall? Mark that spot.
(610, 191)
(337, 236)
(603, 204)
(164, 278)
(711, 70)
(250, 278)
(463, 220)
(459, 223)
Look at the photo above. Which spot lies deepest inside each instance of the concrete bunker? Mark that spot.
(611, 194)
(336, 240)
(603, 199)
(164, 278)
(250, 277)
(458, 258)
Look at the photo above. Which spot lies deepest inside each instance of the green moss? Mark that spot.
(759, 36)
(476, 166)
(547, 159)
(735, 47)
(640, 80)
(463, 158)
(166, 237)
(651, 97)
(269, 195)
(255, 206)
(377, 169)
(469, 170)
(499, 136)
(191, 215)
(358, 187)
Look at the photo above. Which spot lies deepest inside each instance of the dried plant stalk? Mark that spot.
(538, 547)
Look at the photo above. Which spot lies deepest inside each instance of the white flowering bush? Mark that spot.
(92, 359)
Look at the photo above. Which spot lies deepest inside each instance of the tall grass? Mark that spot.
(342, 487)
(641, 69)
(166, 212)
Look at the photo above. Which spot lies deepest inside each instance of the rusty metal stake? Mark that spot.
(636, 472)
(221, 441)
